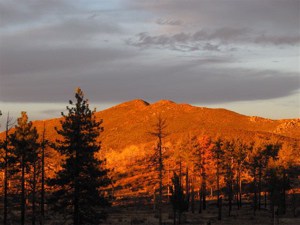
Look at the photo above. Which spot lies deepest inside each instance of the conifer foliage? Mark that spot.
(24, 147)
(78, 185)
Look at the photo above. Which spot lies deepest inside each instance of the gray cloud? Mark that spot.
(194, 82)
(170, 22)
(270, 15)
(277, 40)
(20, 12)
(41, 60)
(201, 39)
(47, 49)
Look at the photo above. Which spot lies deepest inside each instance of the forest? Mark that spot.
(70, 176)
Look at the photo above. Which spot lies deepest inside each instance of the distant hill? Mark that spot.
(126, 142)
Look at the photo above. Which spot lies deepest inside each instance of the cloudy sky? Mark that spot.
(243, 55)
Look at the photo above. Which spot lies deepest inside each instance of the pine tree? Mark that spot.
(240, 154)
(228, 167)
(24, 147)
(5, 166)
(43, 146)
(159, 132)
(217, 155)
(78, 185)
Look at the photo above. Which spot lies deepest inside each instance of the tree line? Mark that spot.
(75, 192)
(229, 169)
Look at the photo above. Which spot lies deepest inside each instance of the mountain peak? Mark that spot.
(164, 102)
(133, 103)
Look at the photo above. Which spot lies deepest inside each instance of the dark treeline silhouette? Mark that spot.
(74, 193)
(207, 172)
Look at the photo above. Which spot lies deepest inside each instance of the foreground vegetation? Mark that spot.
(218, 177)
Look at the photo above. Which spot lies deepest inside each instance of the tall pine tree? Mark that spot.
(24, 147)
(78, 185)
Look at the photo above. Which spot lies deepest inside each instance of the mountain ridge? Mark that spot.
(127, 144)
(139, 111)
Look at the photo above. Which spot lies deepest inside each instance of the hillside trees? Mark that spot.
(202, 155)
(78, 185)
(239, 155)
(281, 175)
(24, 146)
(183, 155)
(257, 162)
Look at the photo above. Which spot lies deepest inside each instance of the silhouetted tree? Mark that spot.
(279, 175)
(43, 146)
(259, 155)
(24, 144)
(239, 155)
(178, 198)
(159, 132)
(217, 155)
(4, 146)
(183, 154)
(228, 167)
(78, 185)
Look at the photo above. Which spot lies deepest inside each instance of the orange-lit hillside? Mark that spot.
(127, 145)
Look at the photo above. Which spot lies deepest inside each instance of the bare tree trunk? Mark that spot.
(187, 188)
(283, 193)
(193, 197)
(76, 192)
(204, 192)
(218, 190)
(33, 193)
(5, 205)
(255, 194)
(294, 204)
(160, 181)
(238, 189)
(200, 199)
(230, 199)
(240, 192)
(159, 133)
(259, 187)
(218, 182)
(5, 183)
(43, 178)
(22, 189)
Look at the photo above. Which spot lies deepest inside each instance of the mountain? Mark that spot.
(126, 142)
(129, 123)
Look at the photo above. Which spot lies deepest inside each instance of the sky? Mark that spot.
(242, 55)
